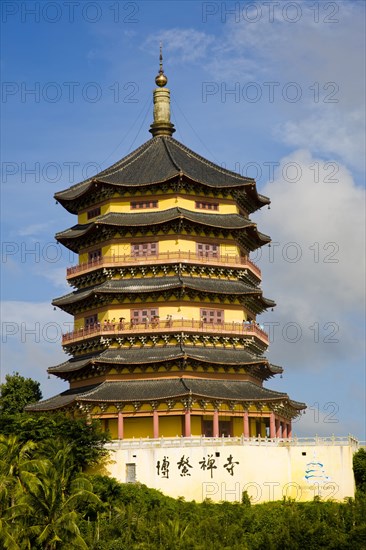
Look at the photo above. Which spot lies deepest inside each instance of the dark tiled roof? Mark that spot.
(135, 390)
(164, 389)
(138, 356)
(145, 218)
(158, 160)
(158, 284)
(60, 401)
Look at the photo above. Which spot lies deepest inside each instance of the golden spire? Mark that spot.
(161, 79)
(161, 125)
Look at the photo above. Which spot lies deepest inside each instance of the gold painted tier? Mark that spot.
(250, 330)
(126, 260)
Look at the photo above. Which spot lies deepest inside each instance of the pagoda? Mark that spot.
(165, 302)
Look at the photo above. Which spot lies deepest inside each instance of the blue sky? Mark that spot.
(274, 91)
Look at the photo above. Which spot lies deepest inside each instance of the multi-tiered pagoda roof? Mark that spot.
(166, 297)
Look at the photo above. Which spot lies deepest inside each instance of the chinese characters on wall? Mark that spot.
(184, 467)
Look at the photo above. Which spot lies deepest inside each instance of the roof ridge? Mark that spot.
(171, 156)
(250, 181)
(109, 170)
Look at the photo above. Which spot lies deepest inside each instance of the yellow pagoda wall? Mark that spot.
(164, 246)
(165, 202)
(235, 314)
(196, 425)
(111, 426)
(252, 427)
(138, 427)
(170, 426)
(237, 426)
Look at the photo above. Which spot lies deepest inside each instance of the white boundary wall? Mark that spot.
(222, 468)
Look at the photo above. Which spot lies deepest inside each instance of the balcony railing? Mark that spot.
(202, 441)
(166, 326)
(164, 257)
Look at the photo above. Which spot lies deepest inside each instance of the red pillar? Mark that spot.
(284, 430)
(272, 426)
(156, 424)
(289, 430)
(278, 428)
(120, 425)
(246, 424)
(187, 423)
(216, 424)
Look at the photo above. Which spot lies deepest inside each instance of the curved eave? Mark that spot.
(182, 388)
(142, 219)
(275, 369)
(158, 161)
(163, 390)
(63, 400)
(142, 356)
(297, 405)
(78, 236)
(163, 284)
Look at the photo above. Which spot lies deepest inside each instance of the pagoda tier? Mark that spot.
(177, 221)
(165, 339)
(170, 391)
(174, 288)
(186, 263)
(181, 359)
(164, 164)
(184, 406)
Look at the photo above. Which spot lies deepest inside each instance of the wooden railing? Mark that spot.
(150, 259)
(166, 326)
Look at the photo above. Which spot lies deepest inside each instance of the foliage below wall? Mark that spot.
(47, 503)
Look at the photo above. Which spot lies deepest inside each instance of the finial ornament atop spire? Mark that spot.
(161, 80)
(161, 125)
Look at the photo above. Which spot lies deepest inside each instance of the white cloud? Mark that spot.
(325, 60)
(315, 266)
(180, 45)
(56, 275)
(328, 132)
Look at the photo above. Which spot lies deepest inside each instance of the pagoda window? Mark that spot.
(144, 249)
(214, 316)
(205, 205)
(94, 255)
(93, 212)
(144, 315)
(205, 250)
(135, 205)
(91, 321)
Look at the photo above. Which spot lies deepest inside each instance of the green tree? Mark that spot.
(52, 502)
(17, 392)
(14, 456)
(47, 496)
(359, 469)
(87, 438)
